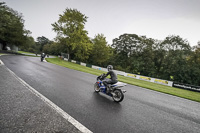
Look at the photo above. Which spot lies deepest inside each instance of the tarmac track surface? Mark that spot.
(141, 111)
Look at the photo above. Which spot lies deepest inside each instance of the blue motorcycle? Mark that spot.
(114, 89)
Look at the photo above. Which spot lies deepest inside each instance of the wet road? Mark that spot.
(142, 110)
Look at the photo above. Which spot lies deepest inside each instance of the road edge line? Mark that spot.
(66, 116)
(1, 63)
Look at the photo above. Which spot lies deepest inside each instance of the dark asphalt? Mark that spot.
(142, 111)
(21, 111)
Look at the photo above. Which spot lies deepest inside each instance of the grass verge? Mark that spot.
(191, 95)
(23, 52)
(27, 54)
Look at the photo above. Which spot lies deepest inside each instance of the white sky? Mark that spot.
(153, 18)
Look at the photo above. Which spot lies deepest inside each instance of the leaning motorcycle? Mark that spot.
(42, 58)
(115, 92)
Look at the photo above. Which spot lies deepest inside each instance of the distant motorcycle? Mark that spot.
(42, 57)
(115, 92)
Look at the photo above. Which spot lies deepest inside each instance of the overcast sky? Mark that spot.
(153, 18)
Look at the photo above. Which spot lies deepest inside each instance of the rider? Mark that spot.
(42, 55)
(113, 78)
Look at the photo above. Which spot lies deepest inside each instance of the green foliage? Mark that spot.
(71, 34)
(193, 67)
(133, 53)
(101, 51)
(29, 45)
(165, 59)
(175, 63)
(12, 30)
(41, 42)
(53, 48)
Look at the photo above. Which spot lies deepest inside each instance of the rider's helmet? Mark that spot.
(43, 55)
(110, 67)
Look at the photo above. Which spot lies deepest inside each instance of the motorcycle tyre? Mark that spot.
(96, 88)
(118, 92)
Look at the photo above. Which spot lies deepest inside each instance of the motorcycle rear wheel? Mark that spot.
(118, 95)
(96, 87)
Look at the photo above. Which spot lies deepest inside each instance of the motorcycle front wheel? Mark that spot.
(118, 95)
(96, 87)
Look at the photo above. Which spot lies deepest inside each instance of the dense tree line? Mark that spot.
(12, 31)
(170, 59)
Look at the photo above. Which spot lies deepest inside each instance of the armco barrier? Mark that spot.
(163, 82)
(145, 78)
(186, 86)
(88, 65)
(99, 68)
(66, 59)
(154, 80)
(95, 67)
(132, 75)
(120, 73)
(104, 69)
(77, 62)
(83, 64)
(73, 61)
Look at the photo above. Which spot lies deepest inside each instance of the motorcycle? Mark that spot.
(115, 92)
(42, 57)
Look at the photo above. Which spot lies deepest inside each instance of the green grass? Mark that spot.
(74, 66)
(191, 95)
(32, 55)
(23, 52)
(27, 53)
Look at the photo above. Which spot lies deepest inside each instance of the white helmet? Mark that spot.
(110, 67)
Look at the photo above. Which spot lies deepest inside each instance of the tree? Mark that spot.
(193, 63)
(12, 30)
(30, 45)
(53, 48)
(132, 52)
(175, 63)
(159, 55)
(125, 46)
(101, 51)
(71, 33)
(170, 59)
(41, 42)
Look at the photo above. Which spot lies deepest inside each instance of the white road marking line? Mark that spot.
(1, 63)
(77, 124)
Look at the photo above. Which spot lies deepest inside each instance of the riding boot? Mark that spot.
(108, 89)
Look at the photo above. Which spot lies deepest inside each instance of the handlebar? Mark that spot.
(101, 77)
